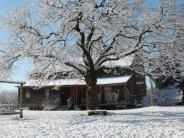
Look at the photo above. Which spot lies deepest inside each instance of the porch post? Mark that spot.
(100, 93)
(76, 95)
(21, 94)
(125, 95)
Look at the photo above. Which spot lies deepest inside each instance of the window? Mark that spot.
(47, 92)
(28, 94)
(108, 94)
(107, 89)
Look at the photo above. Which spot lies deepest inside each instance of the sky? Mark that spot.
(19, 74)
(7, 5)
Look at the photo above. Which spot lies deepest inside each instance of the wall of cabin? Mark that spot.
(36, 98)
(134, 89)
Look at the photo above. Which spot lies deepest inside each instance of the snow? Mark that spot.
(168, 96)
(150, 122)
(122, 62)
(68, 82)
(113, 80)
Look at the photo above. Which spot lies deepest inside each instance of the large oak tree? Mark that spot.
(79, 34)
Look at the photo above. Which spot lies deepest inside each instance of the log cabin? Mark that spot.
(113, 92)
(117, 89)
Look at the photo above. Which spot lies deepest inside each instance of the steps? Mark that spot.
(62, 108)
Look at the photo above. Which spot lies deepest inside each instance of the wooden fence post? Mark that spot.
(21, 94)
(21, 113)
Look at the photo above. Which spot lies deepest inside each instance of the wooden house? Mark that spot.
(70, 93)
(115, 91)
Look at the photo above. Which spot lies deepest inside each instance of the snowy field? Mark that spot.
(151, 122)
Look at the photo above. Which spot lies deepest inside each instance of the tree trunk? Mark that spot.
(91, 93)
(181, 86)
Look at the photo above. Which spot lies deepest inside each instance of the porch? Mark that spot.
(112, 93)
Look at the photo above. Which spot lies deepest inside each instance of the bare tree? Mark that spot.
(163, 57)
(81, 35)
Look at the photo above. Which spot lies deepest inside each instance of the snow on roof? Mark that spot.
(113, 80)
(123, 62)
(70, 82)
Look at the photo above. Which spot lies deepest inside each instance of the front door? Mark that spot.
(64, 95)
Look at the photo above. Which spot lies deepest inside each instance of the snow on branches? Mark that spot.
(83, 35)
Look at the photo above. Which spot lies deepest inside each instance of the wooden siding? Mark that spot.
(117, 93)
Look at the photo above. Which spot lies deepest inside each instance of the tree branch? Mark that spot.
(86, 53)
(70, 64)
(89, 37)
(136, 47)
(100, 5)
(77, 28)
(93, 41)
(97, 66)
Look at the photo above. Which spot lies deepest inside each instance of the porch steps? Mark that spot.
(62, 108)
(97, 112)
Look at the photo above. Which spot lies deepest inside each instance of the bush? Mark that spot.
(168, 96)
(50, 104)
(8, 98)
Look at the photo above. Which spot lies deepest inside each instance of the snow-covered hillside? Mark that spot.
(152, 122)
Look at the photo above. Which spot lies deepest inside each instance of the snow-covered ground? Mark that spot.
(150, 122)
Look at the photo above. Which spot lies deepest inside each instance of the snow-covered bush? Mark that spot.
(168, 96)
(8, 98)
(50, 104)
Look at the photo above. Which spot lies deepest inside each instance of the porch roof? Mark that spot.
(76, 82)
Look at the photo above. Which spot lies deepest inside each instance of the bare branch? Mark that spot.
(93, 41)
(101, 4)
(73, 65)
(98, 66)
